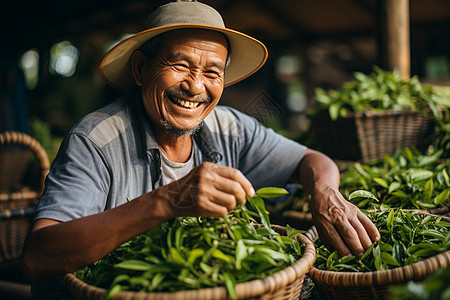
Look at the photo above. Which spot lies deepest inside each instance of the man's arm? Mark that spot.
(54, 247)
(340, 224)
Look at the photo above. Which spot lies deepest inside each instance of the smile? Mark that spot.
(184, 103)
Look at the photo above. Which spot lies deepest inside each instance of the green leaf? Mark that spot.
(334, 110)
(133, 264)
(178, 237)
(394, 186)
(429, 159)
(398, 252)
(241, 253)
(331, 259)
(390, 219)
(341, 267)
(417, 175)
(120, 278)
(426, 252)
(346, 259)
(176, 256)
(156, 280)
(362, 194)
(421, 246)
(368, 251)
(112, 291)
(433, 233)
(277, 255)
(381, 182)
(446, 177)
(389, 259)
(428, 189)
(425, 205)
(400, 194)
(230, 284)
(271, 192)
(220, 255)
(443, 196)
(258, 204)
(194, 254)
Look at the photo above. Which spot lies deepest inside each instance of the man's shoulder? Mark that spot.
(106, 123)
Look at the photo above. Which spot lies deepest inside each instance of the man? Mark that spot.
(169, 148)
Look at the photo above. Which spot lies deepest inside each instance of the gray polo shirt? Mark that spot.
(111, 154)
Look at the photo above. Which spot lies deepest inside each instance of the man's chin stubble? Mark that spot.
(180, 132)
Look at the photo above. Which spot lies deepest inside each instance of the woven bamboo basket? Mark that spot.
(372, 285)
(17, 206)
(370, 135)
(284, 284)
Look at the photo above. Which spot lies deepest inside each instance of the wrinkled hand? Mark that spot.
(340, 224)
(209, 190)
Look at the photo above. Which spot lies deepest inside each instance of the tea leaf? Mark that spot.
(271, 192)
(362, 194)
(389, 259)
(133, 264)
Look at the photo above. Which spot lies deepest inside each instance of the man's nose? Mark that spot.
(193, 83)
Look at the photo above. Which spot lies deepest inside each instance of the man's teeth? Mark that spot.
(185, 103)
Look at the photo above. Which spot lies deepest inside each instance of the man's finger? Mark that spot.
(350, 237)
(236, 175)
(334, 240)
(212, 209)
(362, 234)
(371, 229)
(225, 199)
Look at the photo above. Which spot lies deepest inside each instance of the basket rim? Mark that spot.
(379, 278)
(264, 285)
(24, 139)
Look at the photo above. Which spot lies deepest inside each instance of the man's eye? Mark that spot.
(181, 66)
(212, 73)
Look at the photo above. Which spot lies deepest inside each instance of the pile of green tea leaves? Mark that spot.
(193, 253)
(406, 179)
(406, 237)
(379, 91)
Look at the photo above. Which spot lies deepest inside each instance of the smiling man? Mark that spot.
(170, 148)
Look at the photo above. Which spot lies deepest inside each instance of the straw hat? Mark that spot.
(247, 53)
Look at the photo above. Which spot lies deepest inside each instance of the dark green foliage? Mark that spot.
(193, 253)
(407, 179)
(406, 237)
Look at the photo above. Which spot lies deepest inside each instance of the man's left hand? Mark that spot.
(340, 224)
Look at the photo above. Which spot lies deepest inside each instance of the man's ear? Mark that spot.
(137, 66)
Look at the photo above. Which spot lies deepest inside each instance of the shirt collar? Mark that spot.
(203, 137)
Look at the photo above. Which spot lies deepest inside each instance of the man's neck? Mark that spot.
(175, 148)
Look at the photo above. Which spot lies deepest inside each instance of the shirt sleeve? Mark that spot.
(266, 157)
(78, 182)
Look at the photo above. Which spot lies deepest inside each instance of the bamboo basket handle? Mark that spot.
(20, 138)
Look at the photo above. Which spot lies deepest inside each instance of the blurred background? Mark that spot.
(51, 51)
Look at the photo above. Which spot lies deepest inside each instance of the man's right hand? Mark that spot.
(209, 190)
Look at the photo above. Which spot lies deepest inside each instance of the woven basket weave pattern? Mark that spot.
(15, 217)
(372, 285)
(366, 136)
(285, 284)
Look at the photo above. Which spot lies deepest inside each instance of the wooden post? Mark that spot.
(394, 42)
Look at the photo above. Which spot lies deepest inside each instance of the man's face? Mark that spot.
(184, 82)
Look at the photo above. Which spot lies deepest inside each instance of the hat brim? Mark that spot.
(247, 55)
